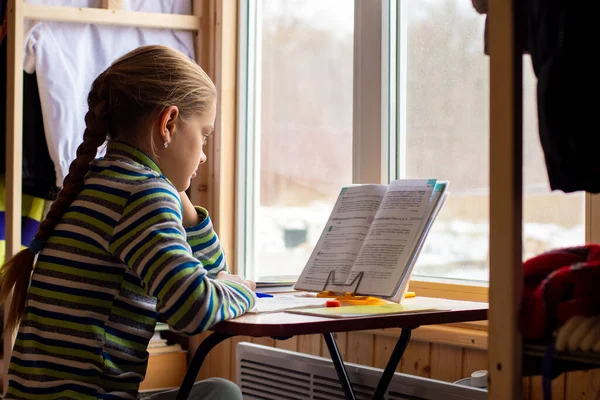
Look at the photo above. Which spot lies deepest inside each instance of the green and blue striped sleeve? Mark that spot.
(151, 240)
(205, 244)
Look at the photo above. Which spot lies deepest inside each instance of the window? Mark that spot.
(445, 135)
(297, 144)
(421, 111)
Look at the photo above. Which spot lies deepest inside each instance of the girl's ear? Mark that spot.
(167, 121)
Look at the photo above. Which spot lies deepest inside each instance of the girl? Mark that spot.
(123, 245)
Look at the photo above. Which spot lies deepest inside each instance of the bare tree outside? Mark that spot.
(306, 135)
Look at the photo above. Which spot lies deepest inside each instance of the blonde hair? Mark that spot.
(143, 82)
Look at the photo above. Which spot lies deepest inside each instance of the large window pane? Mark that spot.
(447, 137)
(305, 58)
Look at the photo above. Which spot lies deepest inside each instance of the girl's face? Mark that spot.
(179, 161)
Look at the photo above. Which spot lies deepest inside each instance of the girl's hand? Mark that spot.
(190, 215)
(223, 275)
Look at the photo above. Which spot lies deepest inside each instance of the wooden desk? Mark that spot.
(283, 325)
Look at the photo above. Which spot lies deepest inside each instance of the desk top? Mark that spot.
(282, 324)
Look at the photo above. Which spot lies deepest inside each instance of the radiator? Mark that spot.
(267, 373)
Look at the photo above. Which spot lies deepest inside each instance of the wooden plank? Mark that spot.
(449, 290)
(446, 362)
(575, 385)
(580, 385)
(360, 348)
(592, 218)
(441, 334)
(594, 384)
(288, 344)
(112, 4)
(536, 391)
(194, 342)
(234, 341)
(221, 359)
(165, 370)
(506, 137)
(416, 359)
(474, 360)
(198, 12)
(102, 16)
(383, 347)
(223, 168)
(200, 189)
(264, 341)
(14, 147)
(526, 388)
(310, 344)
(341, 339)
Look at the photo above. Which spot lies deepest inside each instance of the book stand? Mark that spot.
(355, 283)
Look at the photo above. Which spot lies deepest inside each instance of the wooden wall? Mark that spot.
(433, 360)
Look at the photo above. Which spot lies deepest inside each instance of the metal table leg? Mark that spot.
(388, 372)
(201, 352)
(339, 366)
(392, 364)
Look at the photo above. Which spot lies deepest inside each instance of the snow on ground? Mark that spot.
(453, 249)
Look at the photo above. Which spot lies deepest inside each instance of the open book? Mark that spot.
(373, 237)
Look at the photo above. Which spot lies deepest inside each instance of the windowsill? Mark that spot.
(450, 281)
(422, 286)
(467, 291)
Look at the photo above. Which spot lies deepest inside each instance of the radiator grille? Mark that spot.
(266, 373)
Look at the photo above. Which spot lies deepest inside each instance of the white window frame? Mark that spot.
(373, 118)
(379, 123)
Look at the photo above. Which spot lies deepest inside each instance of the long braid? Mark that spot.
(97, 122)
(16, 273)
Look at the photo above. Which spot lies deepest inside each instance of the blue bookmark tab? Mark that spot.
(261, 295)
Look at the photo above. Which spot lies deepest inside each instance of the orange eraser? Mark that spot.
(333, 303)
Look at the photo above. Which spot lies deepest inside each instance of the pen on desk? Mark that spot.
(261, 295)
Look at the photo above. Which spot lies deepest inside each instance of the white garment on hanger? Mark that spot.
(68, 57)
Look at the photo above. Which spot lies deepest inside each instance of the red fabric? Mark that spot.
(558, 285)
(3, 23)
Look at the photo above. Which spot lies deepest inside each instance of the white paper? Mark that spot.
(342, 237)
(391, 239)
(438, 199)
(285, 302)
(372, 238)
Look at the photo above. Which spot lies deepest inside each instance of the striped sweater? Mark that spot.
(118, 260)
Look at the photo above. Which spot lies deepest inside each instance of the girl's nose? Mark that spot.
(202, 158)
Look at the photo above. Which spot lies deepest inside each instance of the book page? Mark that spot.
(389, 243)
(438, 199)
(342, 237)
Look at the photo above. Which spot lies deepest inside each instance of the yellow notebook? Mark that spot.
(362, 311)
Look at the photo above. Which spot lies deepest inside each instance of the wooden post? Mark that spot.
(200, 188)
(14, 147)
(592, 218)
(198, 12)
(506, 145)
(112, 4)
(224, 150)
